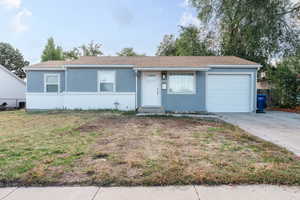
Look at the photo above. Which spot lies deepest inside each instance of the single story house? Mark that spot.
(12, 89)
(168, 83)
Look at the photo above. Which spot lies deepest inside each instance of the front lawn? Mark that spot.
(110, 148)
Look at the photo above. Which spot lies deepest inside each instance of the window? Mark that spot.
(52, 82)
(181, 83)
(106, 81)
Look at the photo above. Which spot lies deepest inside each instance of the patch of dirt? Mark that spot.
(292, 110)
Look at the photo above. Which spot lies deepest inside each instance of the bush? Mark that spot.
(284, 83)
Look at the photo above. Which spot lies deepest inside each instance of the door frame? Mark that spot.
(252, 86)
(142, 89)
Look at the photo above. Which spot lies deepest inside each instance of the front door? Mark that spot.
(151, 91)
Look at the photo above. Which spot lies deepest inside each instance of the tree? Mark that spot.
(167, 46)
(91, 49)
(189, 43)
(52, 52)
(12, 59)
(128, 52)
(284, 83)
(256, 30)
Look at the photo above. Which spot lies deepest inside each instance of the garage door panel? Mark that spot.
(228, 93)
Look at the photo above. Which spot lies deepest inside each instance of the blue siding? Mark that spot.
(85, 80)
(186, 102)
(35, 80)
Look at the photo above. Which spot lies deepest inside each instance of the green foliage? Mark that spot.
(12, 59)
(128, 52)
(256, 30)
(52, 52)
(188, 43)
(91, 49)
(167, 46)
(284, 82)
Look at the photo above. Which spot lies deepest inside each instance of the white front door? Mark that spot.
(151, 89)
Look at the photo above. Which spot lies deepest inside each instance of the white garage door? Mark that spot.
(228, 93)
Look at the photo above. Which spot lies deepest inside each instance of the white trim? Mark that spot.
(236, 66)
(12, 74)
(136, 89)
(171, 69)
(252, 109)
(98, 81)
(159, 90)
(183, 93)
(45, 94)
(44, 69)
(99, 93)
(45, 82)
(79, 93)
(102, 66)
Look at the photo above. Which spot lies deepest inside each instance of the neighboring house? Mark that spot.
(12, 88)
(169, 83)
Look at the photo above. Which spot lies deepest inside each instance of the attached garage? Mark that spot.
(229, 92)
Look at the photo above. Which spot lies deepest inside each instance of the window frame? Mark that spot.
(179, 72)
(99, 81)
(58, 82)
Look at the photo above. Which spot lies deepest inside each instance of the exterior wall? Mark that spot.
(85, 80)
(12, 90)
(35, 80)
(186, 102)
(79, 91)
(194, 102)
(85, 101)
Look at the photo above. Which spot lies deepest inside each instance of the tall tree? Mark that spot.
(52, 52)
(256, 30)
(189, 43)
(12, 59)
(91, 49)
(167, 47)
(128, 51)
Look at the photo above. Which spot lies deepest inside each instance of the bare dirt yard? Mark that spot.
(120, 149)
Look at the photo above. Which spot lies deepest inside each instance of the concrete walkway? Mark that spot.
(280, 128)
(253, 192)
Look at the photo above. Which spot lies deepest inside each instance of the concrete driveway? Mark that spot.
(280, 128)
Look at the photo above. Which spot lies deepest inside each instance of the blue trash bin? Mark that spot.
(261, 103)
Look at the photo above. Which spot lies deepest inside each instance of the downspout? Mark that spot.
(136, 88)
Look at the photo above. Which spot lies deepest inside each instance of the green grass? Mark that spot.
(115, 148)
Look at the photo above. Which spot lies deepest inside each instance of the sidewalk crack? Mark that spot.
(9, 193)
(198, 195)
(94, 196)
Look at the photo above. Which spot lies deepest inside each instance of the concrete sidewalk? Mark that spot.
(253, 192)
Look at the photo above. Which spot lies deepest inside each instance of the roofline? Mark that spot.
(95, 65)
(63, 67)
(44, 68)
(237, 66)
(171, 69)
(12, 74)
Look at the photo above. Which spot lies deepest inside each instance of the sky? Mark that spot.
(141, 24)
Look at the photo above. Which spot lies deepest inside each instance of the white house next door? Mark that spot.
(151, 89)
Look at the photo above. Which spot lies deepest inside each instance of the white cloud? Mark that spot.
(188, 18)
(11, 3)
(17, 23)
